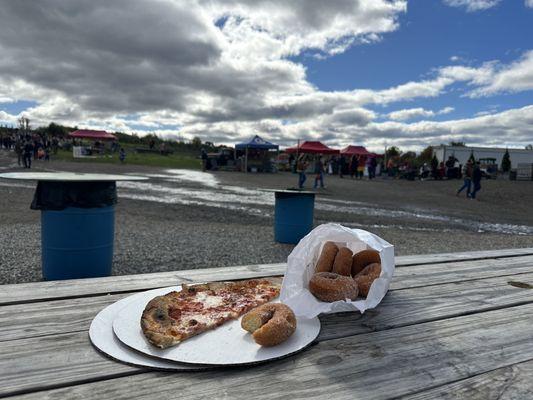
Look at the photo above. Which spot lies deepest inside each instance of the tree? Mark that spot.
(458, 144)
(529, 147)
(506, 161)
(392, 151)
(24, 124)
(196, 142)
(426, 155)
(54, 129)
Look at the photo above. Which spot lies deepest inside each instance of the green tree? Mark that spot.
(196, 142)
(458, 144)
(529, 147)
(426, 155)
(506, 161)
(392, 151)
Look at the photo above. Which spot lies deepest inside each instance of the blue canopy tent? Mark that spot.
(257, 143)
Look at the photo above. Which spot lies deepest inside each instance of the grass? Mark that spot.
(176, 160)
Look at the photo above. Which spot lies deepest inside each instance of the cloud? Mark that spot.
(516, 77)
(221, 70)
(529, 3)
(473, 5)
(410, 113)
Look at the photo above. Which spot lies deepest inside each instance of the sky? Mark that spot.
(366, 72)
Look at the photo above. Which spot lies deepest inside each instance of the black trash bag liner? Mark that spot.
(60, 195)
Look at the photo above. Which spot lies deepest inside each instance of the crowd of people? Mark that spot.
(356, 166)
(29, 147)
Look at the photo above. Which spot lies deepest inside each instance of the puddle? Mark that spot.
(13, 184)
(208, 191)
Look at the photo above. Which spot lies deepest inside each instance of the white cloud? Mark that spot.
(529, 3)
(516, 77)
(410, 113)
(473, 5)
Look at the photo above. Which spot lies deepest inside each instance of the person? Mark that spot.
(424, 171)
(28, 152)
(372, 164)
(292, 164)
(301, 166)
(342, 165)
(204, 160)
(319, 172)
(354, 161)
(360, 167)
(19, 150)
(476, 180)
(467, 179)
(122, 155)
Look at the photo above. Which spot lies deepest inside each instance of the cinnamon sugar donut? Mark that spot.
(364, 258)
(343, 262)
(325, 261)
(270, 324)
(366, 277)
(329, 287)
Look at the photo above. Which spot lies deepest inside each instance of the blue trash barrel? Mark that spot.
(293, 215)
(77, 242)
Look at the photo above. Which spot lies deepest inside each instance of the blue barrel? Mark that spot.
(77, 242)
(294, 216)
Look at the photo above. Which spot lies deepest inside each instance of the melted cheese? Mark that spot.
(208, 301)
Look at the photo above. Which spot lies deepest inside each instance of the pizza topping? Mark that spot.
(174, 313)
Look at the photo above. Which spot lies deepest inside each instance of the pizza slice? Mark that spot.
(170, 319)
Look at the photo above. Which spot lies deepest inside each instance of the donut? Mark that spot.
(329, 287)
(343, 262)
(270, 324)
(365, 278)
(363, 258)
(373, 270)
(325, 261)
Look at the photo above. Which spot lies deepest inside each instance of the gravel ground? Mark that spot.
(186, 219)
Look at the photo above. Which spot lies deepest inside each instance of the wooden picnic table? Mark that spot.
(456, 325)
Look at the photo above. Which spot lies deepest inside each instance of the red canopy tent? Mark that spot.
(312, 147)
(94, 135)
(356, 151)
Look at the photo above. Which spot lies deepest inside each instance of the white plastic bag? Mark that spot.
(301, 264)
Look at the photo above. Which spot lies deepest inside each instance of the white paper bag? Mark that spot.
(301, 264)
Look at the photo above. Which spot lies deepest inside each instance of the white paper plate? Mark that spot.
(228, 344)
(103, 338)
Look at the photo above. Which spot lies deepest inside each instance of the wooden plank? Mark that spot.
(40, 291)
(419, 259)
(399, 309)
(378, 365)
(507, 383)
(437, 274)
(58, 358)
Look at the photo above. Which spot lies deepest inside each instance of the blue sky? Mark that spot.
(408, 72)
(431, 33)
